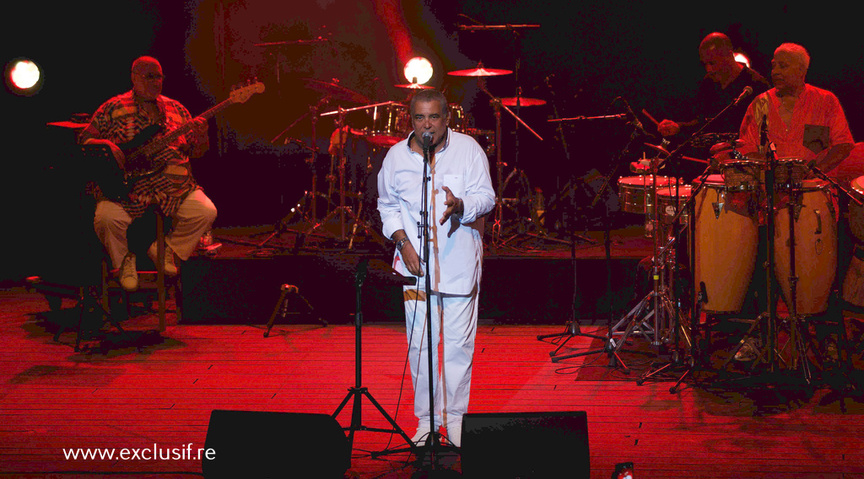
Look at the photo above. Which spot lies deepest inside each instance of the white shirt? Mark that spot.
(454, 260)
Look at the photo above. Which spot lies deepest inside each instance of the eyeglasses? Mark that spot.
(151, 76)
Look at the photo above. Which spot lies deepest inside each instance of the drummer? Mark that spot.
(803, 121)
(725, 79)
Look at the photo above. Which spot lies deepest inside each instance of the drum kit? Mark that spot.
(788, 205)
(380, 125)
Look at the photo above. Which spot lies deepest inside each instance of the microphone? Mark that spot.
(427, 139)
(748, 90)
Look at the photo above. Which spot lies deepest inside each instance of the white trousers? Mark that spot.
(454, 317)
(193, 218)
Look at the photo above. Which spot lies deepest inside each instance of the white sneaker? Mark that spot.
(128, 273)
(169, 268)
(454, 434)
(420, 436)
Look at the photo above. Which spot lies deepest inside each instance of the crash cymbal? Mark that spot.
(480, 71)
(414, 86)
(336, 91)
(511, 101)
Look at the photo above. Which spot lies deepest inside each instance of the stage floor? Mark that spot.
(143, 389)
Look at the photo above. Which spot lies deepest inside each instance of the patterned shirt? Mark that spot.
(817, 124)
(119, 120)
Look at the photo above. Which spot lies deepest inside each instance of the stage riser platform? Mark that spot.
(514, 290)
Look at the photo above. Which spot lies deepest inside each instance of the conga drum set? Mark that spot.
(727, 211)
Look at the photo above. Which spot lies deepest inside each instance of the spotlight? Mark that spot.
(23, 77)
(741, 57)
(418, 70)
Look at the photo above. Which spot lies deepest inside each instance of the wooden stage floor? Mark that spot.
(146, 389)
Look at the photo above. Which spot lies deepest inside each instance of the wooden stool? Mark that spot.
(161, 289)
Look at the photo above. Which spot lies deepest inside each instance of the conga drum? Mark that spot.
(724, 247)
(815, 229)
(853, 282)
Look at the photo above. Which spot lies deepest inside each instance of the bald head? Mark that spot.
(716, 41)
(147, 78)
(717, 57)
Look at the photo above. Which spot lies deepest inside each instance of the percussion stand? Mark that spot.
(660, 304)
(679, 356)
(845, 192)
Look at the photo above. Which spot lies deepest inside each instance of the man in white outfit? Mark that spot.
(459, 194)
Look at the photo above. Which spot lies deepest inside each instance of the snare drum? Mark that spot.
(725, 244)
(636, 192)
(390, 124)
(815, 232)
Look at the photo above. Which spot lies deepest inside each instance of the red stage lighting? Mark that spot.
(418, 70)
(23, 77)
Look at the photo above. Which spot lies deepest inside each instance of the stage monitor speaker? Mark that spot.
(525, 445)
(275, 444)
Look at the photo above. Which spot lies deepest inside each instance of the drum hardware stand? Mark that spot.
(308, 202)
(497, 106)
(342, 210)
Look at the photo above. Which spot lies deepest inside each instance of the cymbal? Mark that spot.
(511, 101)
(338, 92)
(414, 86)
(480, 71)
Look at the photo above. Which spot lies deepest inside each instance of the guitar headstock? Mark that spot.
(241, 94)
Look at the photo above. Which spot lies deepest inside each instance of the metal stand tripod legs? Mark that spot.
(358, 392)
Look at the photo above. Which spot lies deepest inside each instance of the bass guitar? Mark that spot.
(142, 152)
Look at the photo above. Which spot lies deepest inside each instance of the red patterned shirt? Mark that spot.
(120, 120)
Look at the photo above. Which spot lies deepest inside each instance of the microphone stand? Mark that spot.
(433, 442)
(572, 327)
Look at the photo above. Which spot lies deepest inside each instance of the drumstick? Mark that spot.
(645, 112)
(697, 160)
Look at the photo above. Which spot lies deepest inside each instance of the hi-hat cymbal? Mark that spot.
(480, 71)
(511, 101)
(336, 91)
(414, 86)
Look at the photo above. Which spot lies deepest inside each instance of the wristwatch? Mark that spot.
(401, 243)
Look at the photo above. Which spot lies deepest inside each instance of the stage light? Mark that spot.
(23, 76)
(418, 70)
(740, 57)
